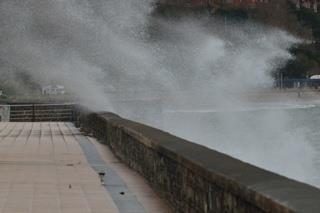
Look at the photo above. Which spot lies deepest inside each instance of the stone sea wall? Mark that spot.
(193, 178)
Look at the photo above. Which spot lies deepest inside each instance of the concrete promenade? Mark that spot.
(43, 169)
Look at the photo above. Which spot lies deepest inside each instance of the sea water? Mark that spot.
(281, 138)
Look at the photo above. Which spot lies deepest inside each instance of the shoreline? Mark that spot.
(301, 96)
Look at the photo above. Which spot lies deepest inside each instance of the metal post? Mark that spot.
(33, 113)
(225, 24)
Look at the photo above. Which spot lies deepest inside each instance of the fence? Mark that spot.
(41, 112)
(298, 83)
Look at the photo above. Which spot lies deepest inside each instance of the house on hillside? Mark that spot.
(189, 3)
(310, 4)
(212, 3)
(53, 90)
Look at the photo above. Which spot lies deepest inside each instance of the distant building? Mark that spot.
(53, 90)
(243, 3)
(310, 4)
(315, 77)
(188, 3)
(212, 3)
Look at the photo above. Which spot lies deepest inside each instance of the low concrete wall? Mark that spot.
(193, 178)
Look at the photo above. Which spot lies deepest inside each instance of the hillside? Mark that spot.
(302, 23)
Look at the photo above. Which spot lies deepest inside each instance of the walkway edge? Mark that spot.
(125, 200)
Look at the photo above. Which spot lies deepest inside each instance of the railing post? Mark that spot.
(33, 113)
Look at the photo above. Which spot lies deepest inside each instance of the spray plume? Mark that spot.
(114, 53)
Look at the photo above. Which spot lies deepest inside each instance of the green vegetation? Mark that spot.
(307, 56)
(306, 62)
(237, 14)
(310, 19)
(303, 23)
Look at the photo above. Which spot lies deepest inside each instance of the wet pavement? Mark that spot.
(52, 167)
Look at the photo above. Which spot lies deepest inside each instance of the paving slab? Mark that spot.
(50, 167)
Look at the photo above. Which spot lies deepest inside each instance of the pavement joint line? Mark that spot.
(125, 204)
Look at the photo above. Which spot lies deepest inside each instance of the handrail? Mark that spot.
(41, 112)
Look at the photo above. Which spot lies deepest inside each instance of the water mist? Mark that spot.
(191, 76)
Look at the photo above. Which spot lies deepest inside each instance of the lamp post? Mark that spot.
(281, 80)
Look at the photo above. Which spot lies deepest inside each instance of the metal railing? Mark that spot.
(297, 83)
(41, 112)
